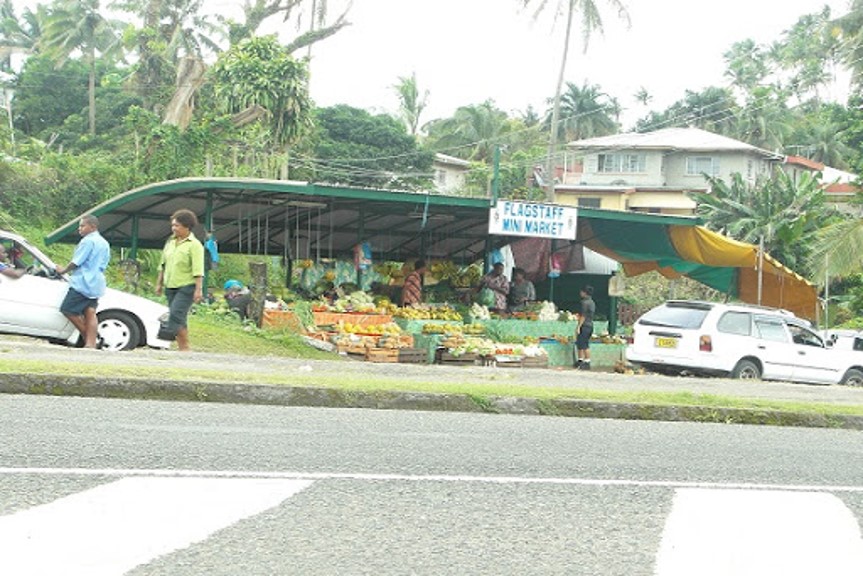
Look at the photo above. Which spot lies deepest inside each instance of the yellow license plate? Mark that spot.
(666, 343)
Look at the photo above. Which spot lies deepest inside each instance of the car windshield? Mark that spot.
(676, 316)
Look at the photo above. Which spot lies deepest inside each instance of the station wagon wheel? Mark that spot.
(746, 370)
(853, 377)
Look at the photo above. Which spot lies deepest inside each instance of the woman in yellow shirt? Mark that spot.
(181, 274)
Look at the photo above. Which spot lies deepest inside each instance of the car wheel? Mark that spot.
(853, 377)
(746, 370)
(118, 331)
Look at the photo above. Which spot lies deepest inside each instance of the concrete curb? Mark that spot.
(308, 396)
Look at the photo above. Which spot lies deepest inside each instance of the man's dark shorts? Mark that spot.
(582, 340)
(75, 303)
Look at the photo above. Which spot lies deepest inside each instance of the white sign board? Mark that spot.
(514, 218)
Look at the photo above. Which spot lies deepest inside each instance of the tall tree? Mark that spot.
(412, 103)
(746, 65)
(18, 35)
(472, 132)
(711, 109)
(260, 74)
(586, 112)
(590, 22)
(255, 12)
(172, 32)
(850, 29)
(784, 212)
(357, 148)
(79, 25)
(809, 52)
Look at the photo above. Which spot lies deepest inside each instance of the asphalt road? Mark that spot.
(170, 488)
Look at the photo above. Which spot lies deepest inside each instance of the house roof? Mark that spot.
(684, 139)
(804, 162)
(451, 160)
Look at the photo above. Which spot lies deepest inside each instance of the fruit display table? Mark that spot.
(327, 318)
(506, 329)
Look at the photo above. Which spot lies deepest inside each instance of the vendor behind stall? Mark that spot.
(412, 292)
(521, 291)
(497, 283)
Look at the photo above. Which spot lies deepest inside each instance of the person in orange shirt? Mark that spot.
(412, 293)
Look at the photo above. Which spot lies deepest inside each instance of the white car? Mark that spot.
(30, 305)
(741, 341)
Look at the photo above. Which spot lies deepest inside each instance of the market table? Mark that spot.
(360, 319)
(507, 329)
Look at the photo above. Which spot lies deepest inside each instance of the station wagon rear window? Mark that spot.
(676, 316)
(735, 323)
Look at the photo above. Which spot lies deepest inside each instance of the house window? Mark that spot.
(441, 177)
(590, 202)
(625, 163)
(697, 165)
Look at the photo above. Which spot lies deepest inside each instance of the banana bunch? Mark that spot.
(448, 328)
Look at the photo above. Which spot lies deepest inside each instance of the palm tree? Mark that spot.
(79, 25)
(746, 64)
(590, 21)
(765, 119)
(411, 103)
(586, 112)
(850, 27)
(837, 249)
(478, 129)
(18, 36)
(785, 213)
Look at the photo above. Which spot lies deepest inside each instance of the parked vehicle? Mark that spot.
(844, 339)
(30, 305)
(741, 341)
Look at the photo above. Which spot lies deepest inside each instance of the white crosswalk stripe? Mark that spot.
(712, 529)
(759, 533)
(110, 529)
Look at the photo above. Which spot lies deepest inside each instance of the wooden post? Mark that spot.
(258, 290)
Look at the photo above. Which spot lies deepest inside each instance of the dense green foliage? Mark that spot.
(100, 107)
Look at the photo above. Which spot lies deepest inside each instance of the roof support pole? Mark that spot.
(361, 232)
(208, 227)
(133, 249)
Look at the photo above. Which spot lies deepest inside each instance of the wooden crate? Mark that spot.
(534, 362)
(413, 356)
(444, 357)
(382, 355)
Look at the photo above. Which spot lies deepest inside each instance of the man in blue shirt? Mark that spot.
(87, 283)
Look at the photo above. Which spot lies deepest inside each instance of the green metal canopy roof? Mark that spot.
(300, 220)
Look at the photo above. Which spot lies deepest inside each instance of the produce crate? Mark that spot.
(534, 362)
(444, 357)
(382, 355)
(413, 356)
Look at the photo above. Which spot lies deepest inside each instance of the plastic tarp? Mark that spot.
(698, 253)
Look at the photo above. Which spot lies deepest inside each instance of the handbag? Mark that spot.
(166, 333)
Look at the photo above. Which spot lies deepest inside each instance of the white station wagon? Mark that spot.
(741, 341)
(30, 305)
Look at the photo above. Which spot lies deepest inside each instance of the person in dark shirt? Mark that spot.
(585, 328)
(412, 293)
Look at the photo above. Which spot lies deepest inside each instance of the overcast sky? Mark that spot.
(467, 51)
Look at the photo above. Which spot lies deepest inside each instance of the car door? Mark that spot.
(31, 304)
(774, 347)
(814, 362)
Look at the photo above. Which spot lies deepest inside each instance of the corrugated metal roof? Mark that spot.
(693, 139)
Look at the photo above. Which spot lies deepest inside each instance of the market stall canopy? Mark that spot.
(298, 220)
(727, 265)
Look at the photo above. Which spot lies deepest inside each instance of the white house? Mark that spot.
(653, 171)
(450, 173)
